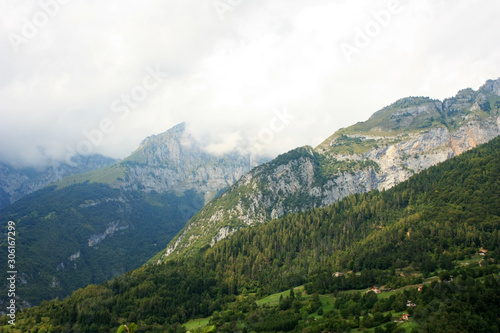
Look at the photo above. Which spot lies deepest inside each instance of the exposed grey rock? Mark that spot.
(174, 161)
(97, 238)
(398, 141)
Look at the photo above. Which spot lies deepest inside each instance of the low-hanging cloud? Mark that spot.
(226, 78)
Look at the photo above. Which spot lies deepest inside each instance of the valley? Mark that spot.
(425, 227)
(90, 227)
(250, 166)
(360, 310)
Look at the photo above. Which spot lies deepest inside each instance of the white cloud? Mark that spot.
(228, 77)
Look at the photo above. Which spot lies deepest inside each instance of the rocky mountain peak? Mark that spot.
(175, 133)
(491, 87)
(169, 148)
(172, 161)
(402, 139)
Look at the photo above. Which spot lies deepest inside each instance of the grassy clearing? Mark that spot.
(274, 299)
(327, 302)
(354, 291)
(409, 325)
(106, 175)
(475, 259)
(387, 294)
(196, 323)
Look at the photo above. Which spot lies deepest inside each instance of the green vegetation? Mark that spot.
(423, 227)
(395, 118)
(306, 178)
(194, 324)
(331, 167)
(283, 159)
(346, 145)
(245, 193)
(274, 299)
(412, 115)
(88, 233)
(108, 175)
(130, 328)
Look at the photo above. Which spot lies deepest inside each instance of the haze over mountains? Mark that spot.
(261, 166)
(114, 219)
(315, 271)
(89, 227)
(15, 183)
(398, 141)
(171, 161)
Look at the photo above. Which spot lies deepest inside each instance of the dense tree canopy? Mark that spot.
(425, 224)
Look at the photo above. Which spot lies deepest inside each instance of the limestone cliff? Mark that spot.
(170, 162)
(174, 161)
(89, 227)
(396, 142)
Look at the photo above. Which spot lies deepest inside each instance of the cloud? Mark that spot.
(226, 77)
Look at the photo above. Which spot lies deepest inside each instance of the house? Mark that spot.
(405, 317)
(338, 274)
(410, 303)
(420, 288)
(376, 290)
(482, 251)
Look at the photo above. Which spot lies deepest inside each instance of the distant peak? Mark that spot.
(491, 87)
(175, 132)
(181, 127)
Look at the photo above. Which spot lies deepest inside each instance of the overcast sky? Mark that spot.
(100, 76)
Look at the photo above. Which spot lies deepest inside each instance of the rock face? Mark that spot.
(396, 142)
(173, 161)
(16, 183)
(90, 227)
(170, 162)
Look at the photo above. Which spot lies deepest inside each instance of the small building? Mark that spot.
(405, 317)
(482, 251)
(338, 274)
(410, 304)
(376, 290)
(420, 288)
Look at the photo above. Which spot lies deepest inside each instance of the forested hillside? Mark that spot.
(421, 227)
(396, 142)
(91, 227)
(16, 183)
(88, 233)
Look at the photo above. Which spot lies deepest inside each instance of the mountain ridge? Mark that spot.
(172, 160)
(396, 142)
(431, 225)
(114, 219)
(16, 183)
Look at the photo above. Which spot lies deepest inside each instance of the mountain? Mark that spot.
(89, 227)
(16, 183)
(396, 142)
(171, 161)
(421, 232)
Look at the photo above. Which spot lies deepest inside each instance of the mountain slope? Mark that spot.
(444, 214)
(88, 233)
(398, 141)
(171, 161)
(89, 227)
(16, 183)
